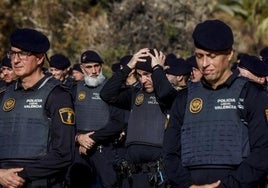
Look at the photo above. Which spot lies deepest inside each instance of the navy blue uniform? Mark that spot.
(141, 150)
(249, 171)
(52, 166)
(107, 122)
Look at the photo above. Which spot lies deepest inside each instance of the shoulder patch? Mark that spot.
(67, 116)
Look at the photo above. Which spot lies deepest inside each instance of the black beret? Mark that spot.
(115, 67)
(59, 61)
(264, 53)
(213, 35)
(77, 67)
(178, 67)
(146, 66)
(29, 40)
(192, 61)
(6, 62)
(91, 57)
(253, 64)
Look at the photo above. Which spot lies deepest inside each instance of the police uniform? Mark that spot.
(107, 122)
(145, 130)
(37, 123)
(217, 133)
(44, 141)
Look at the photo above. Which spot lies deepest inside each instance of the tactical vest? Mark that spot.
(92, 113)
(146, 121)
(212, 132)
(24, 123)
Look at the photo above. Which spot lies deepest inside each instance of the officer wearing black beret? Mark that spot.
(7, 71)
(77, 72)
(217, 134)
(98, 124)
(143, 165)
(59, 66)
(37, 118)
(178, 72)
(253, 68)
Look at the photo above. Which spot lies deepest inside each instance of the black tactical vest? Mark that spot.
(92, 113)
(146, 121)
(212, 132)
(24, 124)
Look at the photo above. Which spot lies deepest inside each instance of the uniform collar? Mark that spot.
(227, 83)
(18, 84)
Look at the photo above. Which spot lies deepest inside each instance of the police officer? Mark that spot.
(196, 74)
(59, 66)
(37, 118)
(217, 135)
(253, 68)
(178, 72)
(7, 71)
(97, 124)
(143, 165)
(77, 72)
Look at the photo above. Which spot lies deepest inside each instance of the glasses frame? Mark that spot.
(22, 55)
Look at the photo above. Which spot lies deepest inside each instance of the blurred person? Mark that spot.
(59, 66)
(178, 73)
(77, 72)
(196, 74)
(253, 68)
(7, 71)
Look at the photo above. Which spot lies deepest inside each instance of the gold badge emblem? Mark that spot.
(139, 99)
(196, 105)
(81, 95)
(9, 105)
(67, 116)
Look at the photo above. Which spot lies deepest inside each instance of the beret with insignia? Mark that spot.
(90, 56)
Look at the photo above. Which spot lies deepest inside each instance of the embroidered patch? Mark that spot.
(9, 104)
(266, 113)
(67, 116)
(81, 95)
(139, 99)
(196, 105)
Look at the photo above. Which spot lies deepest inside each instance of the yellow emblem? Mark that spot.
(81, 95)
(139, 99)
(67, 116)
(196, 105)
(9, 105)
(266, 113)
